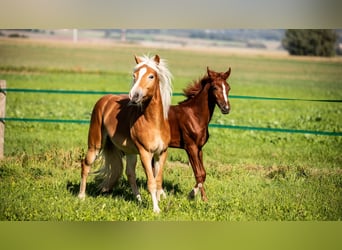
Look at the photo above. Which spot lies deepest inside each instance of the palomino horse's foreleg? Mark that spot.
(85, 168)
(159, 162)
(196, 160)
(131, 161)
(146, 160)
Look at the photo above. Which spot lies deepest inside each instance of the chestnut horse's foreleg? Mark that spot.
(146, 160)
(131, 161)
(85, 168)
(195, 155)
(203, 176)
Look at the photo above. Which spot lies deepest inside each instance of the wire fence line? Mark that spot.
(96, 92)
(222, 126)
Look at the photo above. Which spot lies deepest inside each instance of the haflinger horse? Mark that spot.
(133, 124)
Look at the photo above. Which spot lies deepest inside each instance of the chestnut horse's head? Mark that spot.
(149, 74)
(220, 89)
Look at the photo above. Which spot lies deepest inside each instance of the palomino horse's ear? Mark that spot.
(227, 74)
(137, 59)
(156, 59)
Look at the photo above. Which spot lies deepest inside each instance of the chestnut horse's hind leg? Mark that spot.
(85, 165)
(131, 161)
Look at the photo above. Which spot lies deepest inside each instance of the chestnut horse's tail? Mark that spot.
(111, 171)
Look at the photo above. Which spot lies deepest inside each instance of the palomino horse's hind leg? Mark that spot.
(131, 162)
(85, 168)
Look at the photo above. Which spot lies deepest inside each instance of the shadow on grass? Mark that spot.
(122, 189)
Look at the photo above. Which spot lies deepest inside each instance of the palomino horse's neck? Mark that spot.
(153, 110)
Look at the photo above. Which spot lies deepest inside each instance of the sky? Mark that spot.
(171, 14)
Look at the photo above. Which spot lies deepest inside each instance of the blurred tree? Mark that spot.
(317, 42)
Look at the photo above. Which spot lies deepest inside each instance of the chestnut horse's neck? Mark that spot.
(203, 102)
(208, 101)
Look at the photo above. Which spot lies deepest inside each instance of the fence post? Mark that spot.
(2, 115)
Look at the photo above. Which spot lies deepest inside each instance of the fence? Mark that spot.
(3, 118)
(2, 114)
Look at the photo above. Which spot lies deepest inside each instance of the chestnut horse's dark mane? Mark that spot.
(194, 88)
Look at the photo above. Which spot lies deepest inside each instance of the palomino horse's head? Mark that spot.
(145, 79)
(220, 89)
(148, 74)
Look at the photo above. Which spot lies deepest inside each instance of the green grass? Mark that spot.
(251, 175)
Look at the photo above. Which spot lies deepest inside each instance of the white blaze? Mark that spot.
(135, 87)
(224, 93)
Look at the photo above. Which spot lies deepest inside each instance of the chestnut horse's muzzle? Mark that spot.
(225, 109)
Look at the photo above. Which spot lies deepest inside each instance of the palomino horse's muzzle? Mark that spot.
(136, 97)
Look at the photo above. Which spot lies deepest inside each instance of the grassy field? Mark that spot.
(251, 175)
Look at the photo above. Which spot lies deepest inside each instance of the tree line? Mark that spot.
(311, 42)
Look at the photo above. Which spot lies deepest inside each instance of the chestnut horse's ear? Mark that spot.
(227, 74)
(210, 73)
(156, 59)
(137, 59)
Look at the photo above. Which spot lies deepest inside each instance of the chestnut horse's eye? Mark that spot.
(151, 76)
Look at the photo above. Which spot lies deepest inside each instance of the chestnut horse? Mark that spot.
(189, 120)
(130, 125)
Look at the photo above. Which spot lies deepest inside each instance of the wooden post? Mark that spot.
(75, 35)
(2, 115)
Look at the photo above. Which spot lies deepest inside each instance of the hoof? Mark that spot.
(156, 210)
(204, 199)
(81, 196)
(161, 193)
(138, 197)
(191, 195)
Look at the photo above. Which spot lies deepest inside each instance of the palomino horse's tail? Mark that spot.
(98, 141)
(111, 171)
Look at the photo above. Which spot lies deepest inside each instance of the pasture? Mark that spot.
(251, 175)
